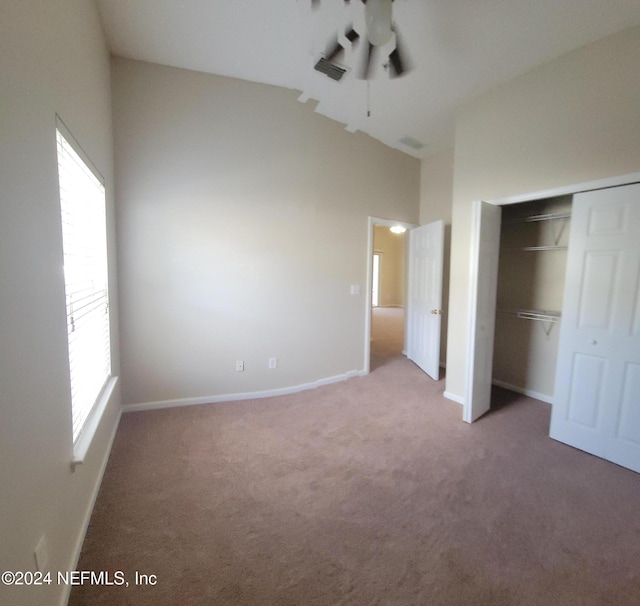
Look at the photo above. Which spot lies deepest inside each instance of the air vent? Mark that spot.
(412, 143)
(332, 70)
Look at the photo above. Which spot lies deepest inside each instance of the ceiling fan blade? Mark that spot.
(333, 50)
(366, 66)
(397, 65)
(397, 59)
(352, 35)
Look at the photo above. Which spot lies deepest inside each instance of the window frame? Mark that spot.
(92, 413)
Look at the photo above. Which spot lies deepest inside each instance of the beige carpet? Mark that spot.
(368, 492)
(387, 334)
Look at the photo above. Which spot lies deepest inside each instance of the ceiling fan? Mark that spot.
(379, 32)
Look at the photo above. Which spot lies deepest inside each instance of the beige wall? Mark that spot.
(436, 188)
(436, 194)
(392, 265)
(573, 120)
(243, 222)
(53, 59)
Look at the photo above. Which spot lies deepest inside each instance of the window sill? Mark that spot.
(83, 443)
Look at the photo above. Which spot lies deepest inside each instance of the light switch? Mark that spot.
(355, 289)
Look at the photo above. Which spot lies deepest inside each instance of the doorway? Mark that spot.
(385, 325)
(388, 294)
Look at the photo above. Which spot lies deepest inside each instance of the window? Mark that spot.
(83, 214)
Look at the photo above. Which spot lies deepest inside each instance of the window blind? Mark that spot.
(83, 209)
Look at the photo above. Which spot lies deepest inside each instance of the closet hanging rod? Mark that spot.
(533, 314)
(533, 218)
(544, 248)
(536, 248)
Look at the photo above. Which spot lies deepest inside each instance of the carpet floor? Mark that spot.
(367, 492)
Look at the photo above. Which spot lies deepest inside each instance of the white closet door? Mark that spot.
(424, 316)
(597, 395)
(485, 254)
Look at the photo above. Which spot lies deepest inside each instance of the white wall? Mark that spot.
(242, 220)
(53, 59)
(436, 194)
(570, 121)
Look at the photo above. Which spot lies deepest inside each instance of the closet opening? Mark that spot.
(534, 239)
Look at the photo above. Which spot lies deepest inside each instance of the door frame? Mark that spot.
(371, 222)
(616, 181)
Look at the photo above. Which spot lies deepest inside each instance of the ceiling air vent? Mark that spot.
(412, 143)
(335, 72)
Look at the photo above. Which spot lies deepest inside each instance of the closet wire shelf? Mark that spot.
(535, 218)
(548, 318)
(538, 218)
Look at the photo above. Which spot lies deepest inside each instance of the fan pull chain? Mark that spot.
(368, 101)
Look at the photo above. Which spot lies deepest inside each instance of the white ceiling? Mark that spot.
(457, 48)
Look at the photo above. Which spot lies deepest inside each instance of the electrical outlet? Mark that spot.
(239, 366)
(273, 363)
(41, 554)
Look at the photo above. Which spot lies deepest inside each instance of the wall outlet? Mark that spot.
(41, 554)
(239, 365)
(273, 363)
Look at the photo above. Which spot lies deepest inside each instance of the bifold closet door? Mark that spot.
(597, 394)
(485, 256)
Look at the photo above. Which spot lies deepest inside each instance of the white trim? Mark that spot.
(569, 189)
(474, 261)
(234, 397)
(75, 557)
(73, 142)
(83, 443)
(527, 392)
(454, 398)
(366, 362)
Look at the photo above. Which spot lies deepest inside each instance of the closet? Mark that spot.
(534, 239)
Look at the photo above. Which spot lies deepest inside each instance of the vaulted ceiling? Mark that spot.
(456, 49)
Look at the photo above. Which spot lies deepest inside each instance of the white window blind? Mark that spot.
(83, 208)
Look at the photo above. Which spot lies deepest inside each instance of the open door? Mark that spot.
(597, 394)
(485, 252)
(424, 302)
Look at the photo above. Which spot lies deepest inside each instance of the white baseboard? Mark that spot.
(527, 392)
(454, 397)
(87, 517)
(234, 397)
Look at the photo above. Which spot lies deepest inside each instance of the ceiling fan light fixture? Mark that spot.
(377, 15)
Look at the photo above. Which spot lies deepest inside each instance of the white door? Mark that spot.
(375, 281)
(424, 313)
(597, 394)
(485, 252)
